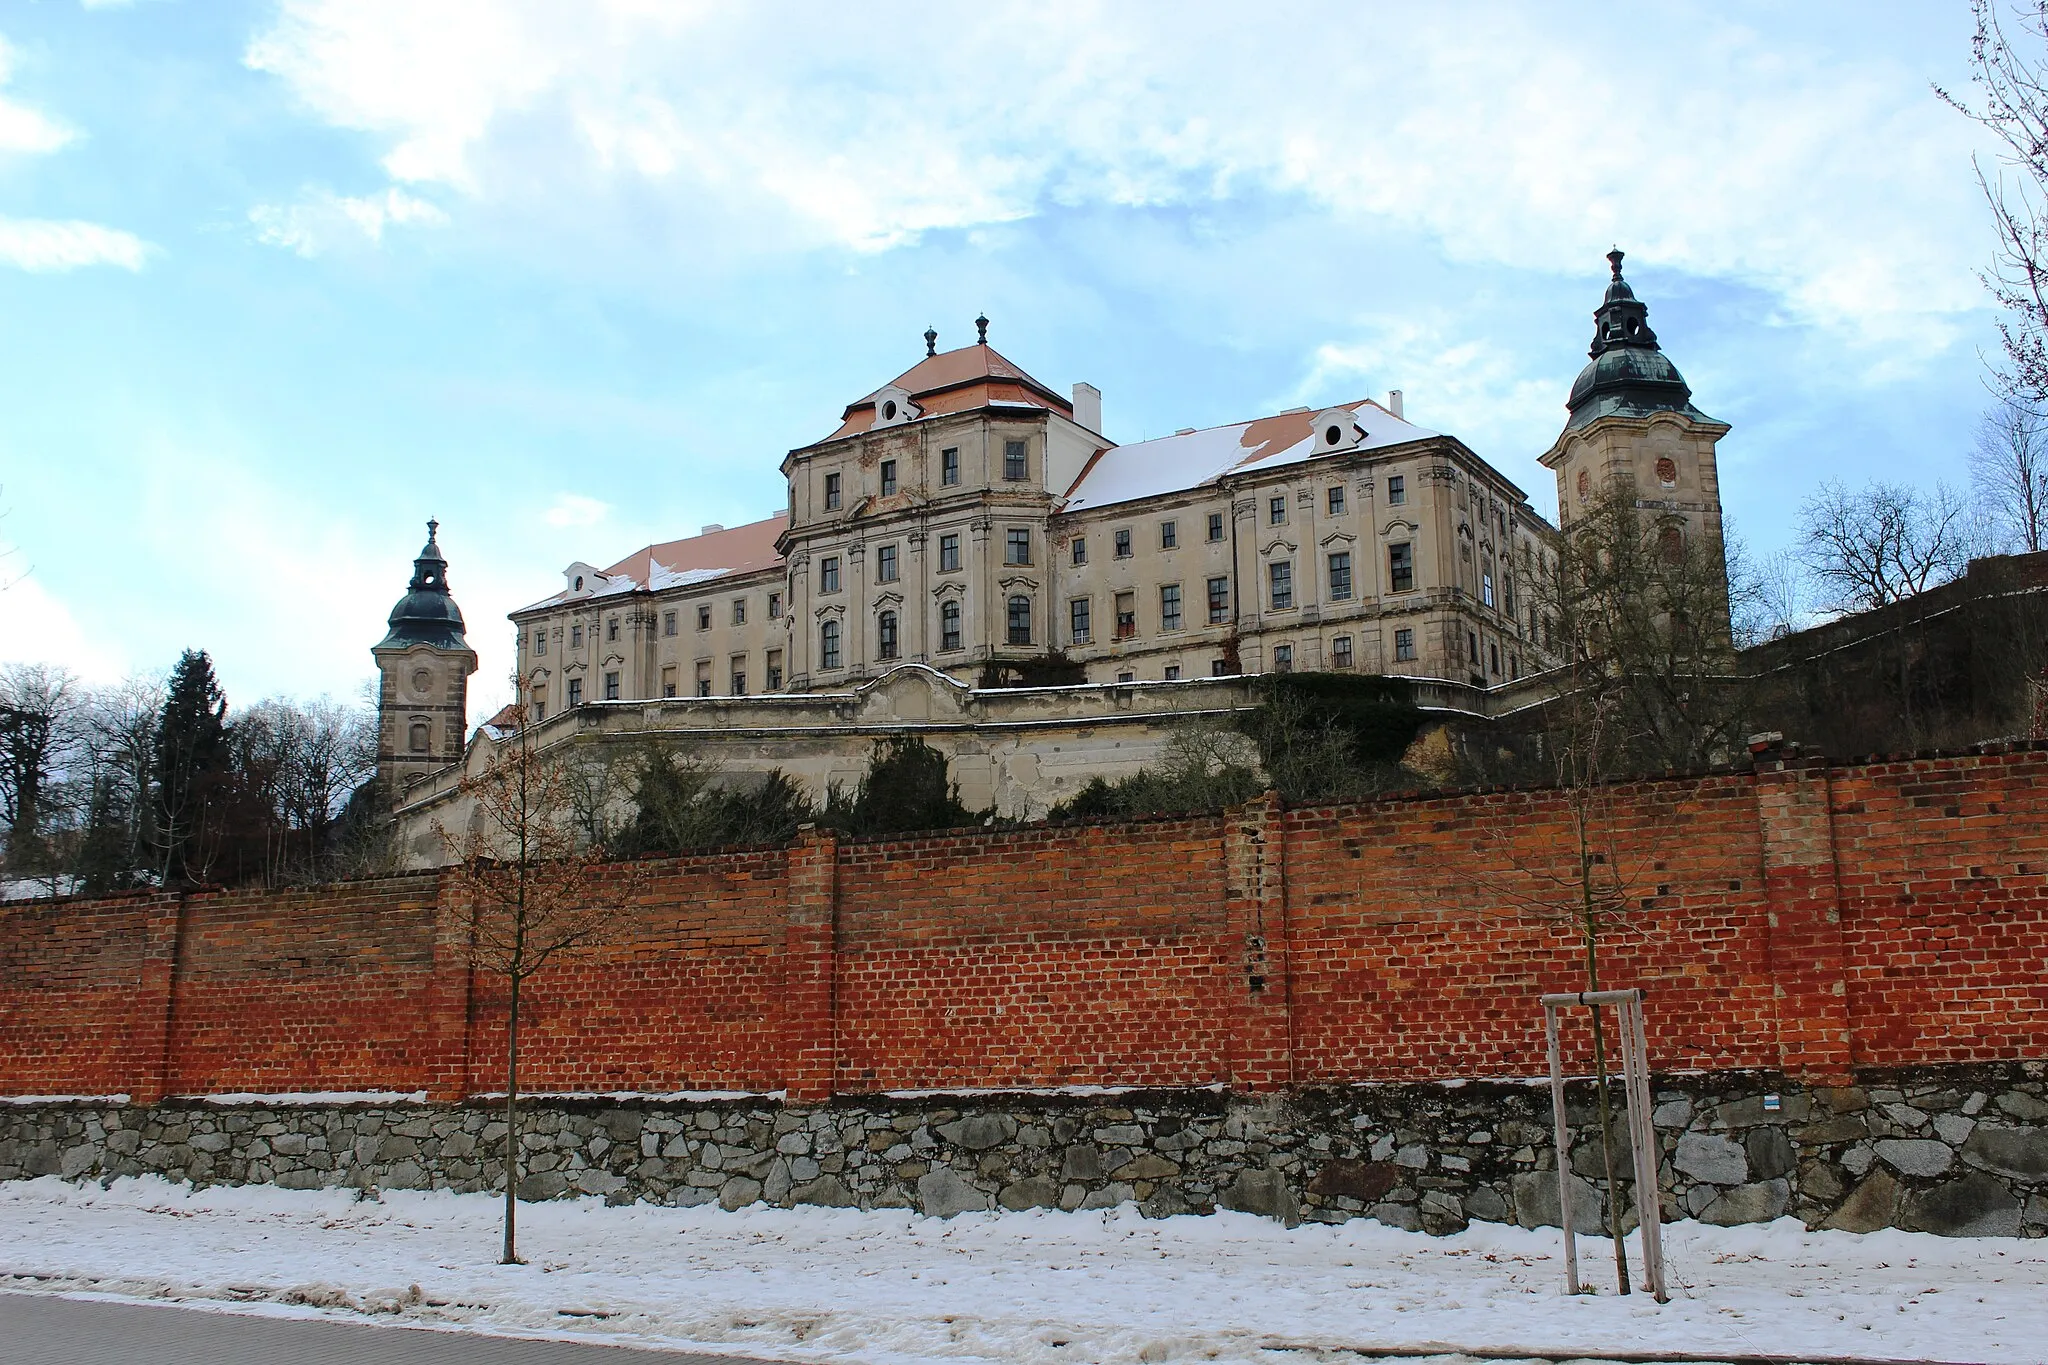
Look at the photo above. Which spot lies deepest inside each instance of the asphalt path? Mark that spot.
(43, 1329)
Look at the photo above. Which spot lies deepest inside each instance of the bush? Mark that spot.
(906, 787)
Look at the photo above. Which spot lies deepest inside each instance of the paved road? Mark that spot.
(38, 1329)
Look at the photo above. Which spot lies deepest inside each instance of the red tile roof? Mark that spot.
(957, 381)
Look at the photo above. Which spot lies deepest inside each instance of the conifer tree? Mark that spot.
(191, 756)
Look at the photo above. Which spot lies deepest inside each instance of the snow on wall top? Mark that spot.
(1175, 464)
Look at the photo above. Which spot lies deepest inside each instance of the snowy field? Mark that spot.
(1041, 1287)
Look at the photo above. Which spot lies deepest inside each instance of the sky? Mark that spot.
(281, 279)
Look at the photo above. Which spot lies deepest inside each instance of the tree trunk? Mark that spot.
(1606, 1120)
(511, 1252)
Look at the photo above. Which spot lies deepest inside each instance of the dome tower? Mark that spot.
(1632, 423)
(423, 663)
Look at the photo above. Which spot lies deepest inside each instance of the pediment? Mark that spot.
(1336, 537)
(911, 692)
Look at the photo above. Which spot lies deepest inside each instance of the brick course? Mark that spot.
(1814, 918)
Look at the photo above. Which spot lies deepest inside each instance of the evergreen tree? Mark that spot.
(191, 758)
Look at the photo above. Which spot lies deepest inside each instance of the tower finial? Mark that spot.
(433, 529)
(981, 330)
(1614, 261)
(931, 341)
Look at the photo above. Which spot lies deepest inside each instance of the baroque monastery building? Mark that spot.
(967, 518)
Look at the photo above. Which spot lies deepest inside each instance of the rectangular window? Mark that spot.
(949, 553)
(611, 687)
(828, 574)
(575, 691)
(1401, 567)
(703, 678)
(540, 639)
(1015, 469)
(704, 617)
(739, 675)
(1337, 500)
(668, 680)
(885, 635)
(611, 629)
(1397, 490)
(1017, 546)
(1404, 644)
(1493, 658)
(1283, 658)
(575, 637)
(828, 644)
(540, 706)
(1215, 526)
(774, 606)
(888, 478)
(1126, 676)
(1486, 586)
(1169, 535)
(949, 465)
(1126, 615)
(668, 622)
(1276, 509)
(1123, 544)
(1169, 606)
(1507, 595)
(1080, 550)
(1172, 673)
(1020, 620)
(1280, 579)
(831, 492)
(774, 670)
(1219, 601)
(949, 625)
(739, 611)
(1340, 576)
(1472, 648)
(1219, 668)
(1077, 621)
(1340, 651)
(885, 564)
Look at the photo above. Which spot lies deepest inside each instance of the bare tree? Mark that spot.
(37, 731)
(2009, 466)
(2009, 74)
(530, 889)
(1882, 543)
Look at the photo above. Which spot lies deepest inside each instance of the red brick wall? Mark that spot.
(1802, 916)
(1943, 869)
(1087, 955)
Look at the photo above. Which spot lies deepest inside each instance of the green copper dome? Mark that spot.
(1628, 375)
(426, 615)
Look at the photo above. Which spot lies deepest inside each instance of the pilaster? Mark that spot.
(1805, 952)
(810, 1046)
(156, 998)
(1255, 926)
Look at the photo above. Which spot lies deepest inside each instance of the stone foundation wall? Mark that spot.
(1961, 1151)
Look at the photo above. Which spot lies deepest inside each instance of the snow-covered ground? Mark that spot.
(815, 1284)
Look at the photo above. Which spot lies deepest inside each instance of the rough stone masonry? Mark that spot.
(1960, 1151)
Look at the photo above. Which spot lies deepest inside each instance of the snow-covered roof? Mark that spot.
(1193, 459)
(680, 563)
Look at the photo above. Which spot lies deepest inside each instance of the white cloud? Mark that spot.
(43, 244)
(323, 220)
(36, 627)
(1498, 130)
(574, 509)
(22, 129)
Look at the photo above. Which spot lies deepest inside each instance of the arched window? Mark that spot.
(885, 635)
(949, 625)
(828, 645)
(1020, 620)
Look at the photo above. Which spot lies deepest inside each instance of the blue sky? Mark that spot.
(280, 280)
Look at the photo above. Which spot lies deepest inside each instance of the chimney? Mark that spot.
(1394, 403)
(1088, 407)
(714, 526)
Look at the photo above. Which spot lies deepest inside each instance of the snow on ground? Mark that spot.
(814, 1284)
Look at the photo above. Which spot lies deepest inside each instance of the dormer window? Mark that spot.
(893, 407)
(579, 583)
(1336, 429)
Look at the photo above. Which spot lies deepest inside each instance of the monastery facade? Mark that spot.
(967, 518)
